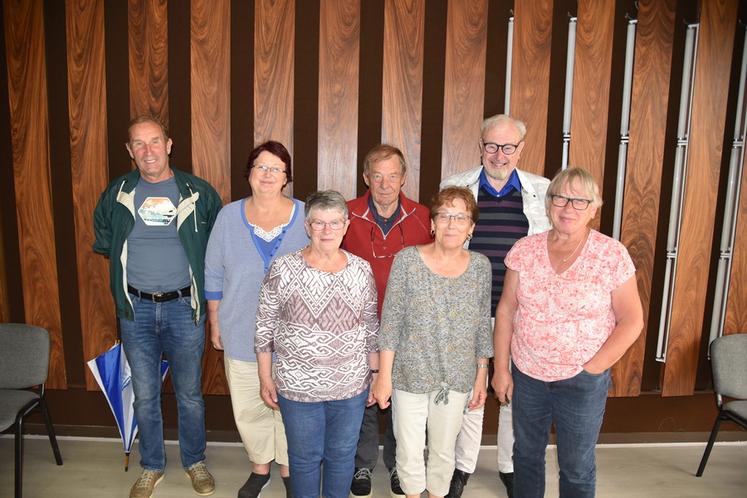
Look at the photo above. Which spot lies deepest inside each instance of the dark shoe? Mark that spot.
(508, 480)
(458, 482)
(395, 491)
(287, 484)
(361, 485)
(254, 485)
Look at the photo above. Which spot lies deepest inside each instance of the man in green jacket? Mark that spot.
(153, 224)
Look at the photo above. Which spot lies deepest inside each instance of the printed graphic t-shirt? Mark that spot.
(156, 260)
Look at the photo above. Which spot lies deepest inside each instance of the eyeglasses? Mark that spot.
(577, 203)
(265, 168)
(396, 249)
(459, 219)
(492, 148)
(318, 225)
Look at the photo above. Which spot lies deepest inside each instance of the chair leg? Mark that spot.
(19, 458)
(50, 430)
(709, 446)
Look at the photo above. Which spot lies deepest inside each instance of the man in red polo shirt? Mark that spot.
(382, 222)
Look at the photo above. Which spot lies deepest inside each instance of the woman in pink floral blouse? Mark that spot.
(569, 310)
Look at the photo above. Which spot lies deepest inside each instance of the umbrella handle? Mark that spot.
(127, 461)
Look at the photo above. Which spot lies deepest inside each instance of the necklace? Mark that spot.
(564, 260)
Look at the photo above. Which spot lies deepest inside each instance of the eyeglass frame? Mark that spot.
(269, 169)
(500, 147)
(325, 224)
(572, 200)
(459, 219)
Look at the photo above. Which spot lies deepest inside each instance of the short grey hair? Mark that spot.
(573, 176)
(501, 119)
(326, 199)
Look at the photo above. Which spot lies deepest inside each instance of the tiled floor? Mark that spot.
(94, 468)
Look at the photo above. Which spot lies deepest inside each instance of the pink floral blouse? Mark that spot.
(563, 320)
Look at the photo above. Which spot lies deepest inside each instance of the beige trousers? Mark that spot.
(261, 428)
(413, 415)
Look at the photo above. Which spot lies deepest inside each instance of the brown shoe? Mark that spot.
(146, 483)
(202, 482)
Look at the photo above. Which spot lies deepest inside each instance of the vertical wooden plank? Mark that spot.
(530, 77)
(63, 207)
(210, 97)
(148, 58)
(499, 12)
(464, 85)
(211, 124)
(403, 83)
(648, 118)
(242, 101)
(710, 92)
(306, 97)
(434, 68)
(273, 71)
(7, 199)
(4, 302)
(180, 86)
(591, 85)
(116, 55)
(735, 321)
(89, 168)
(27, 84)
(339, 49)
(370, 73)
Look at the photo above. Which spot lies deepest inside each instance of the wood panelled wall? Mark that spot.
(715, 45)
(331, 78)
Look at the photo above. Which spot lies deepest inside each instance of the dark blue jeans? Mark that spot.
(576, 407)
(322, 438)
(166, 329)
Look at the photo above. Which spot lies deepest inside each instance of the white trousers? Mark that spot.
(470, 438)
(260, 427)
(413, 415)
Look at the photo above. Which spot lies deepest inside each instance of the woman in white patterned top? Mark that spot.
(435, 342)
(247, 237)
(317, 313)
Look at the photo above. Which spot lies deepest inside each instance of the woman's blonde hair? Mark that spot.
(573, 176)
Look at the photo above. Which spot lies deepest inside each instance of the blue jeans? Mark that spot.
(322, 437)
(576, 407)
(166, 329)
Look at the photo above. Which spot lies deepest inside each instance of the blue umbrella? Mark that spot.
(112, 372)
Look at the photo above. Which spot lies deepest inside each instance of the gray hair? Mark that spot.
(326, 199)
(573, 176)
(502, 119)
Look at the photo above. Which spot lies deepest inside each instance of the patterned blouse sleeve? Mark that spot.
(370, 309)
(268, 310)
